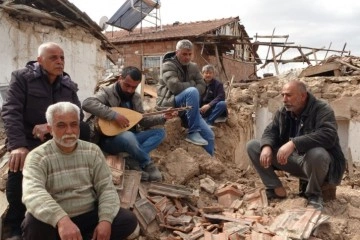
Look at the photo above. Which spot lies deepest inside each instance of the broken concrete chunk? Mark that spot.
(208, 185)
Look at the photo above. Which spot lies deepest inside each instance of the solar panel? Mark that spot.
(132, 12)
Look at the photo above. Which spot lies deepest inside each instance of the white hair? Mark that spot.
(61, 108)
(184, 44)
(43, 47)
(209, 68)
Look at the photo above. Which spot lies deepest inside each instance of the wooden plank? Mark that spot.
(274, 59)
(164, 189)
(313, 70)
(304, 57)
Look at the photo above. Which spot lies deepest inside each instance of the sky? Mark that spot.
(309, 23)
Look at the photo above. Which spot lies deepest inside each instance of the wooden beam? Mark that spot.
(272, 36)
(275, 63)
(267, 62)
(313, 70)
(304, 57)
(218, 64)
(267, 55)
(327, 51)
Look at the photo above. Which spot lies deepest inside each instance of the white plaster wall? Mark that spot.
(84, 60)
(262, 118)
(343, 132)
(353, 141)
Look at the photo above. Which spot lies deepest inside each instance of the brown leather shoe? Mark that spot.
(276, 193)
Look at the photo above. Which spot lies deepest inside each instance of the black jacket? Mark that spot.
(318, 129)
(28, 97)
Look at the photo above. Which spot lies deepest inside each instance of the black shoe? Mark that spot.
(316, 202)
(154, 173)
(270, 194)
(132, 164)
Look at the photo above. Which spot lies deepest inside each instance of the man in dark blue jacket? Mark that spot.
(213, 103)
(302, 139)
(32, 89)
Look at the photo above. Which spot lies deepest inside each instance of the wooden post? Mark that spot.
(230, 86)
(275, 62)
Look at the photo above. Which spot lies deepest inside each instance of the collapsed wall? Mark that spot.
(342, 93)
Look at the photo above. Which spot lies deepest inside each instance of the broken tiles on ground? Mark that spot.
(168, 211)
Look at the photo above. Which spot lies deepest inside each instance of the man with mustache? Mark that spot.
(31, 90)
(68, 190)
(182, 85)
(302, 139)
(138, 144)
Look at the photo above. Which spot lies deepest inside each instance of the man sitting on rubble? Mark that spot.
(213, 103)
(138, 144)
(67, 187)
(181, 85)
(302, 139)
(31, 90)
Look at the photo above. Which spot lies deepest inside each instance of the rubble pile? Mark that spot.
(169, 211)
(349, 65)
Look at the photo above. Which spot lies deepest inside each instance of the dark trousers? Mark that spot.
(312, 166)
(122, 226)
(16, 211)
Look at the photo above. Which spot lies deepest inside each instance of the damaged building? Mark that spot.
(27, 24)
(202, 198)
(223, 43)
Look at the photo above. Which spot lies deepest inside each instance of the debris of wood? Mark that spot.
(164, 189)
(326, 69)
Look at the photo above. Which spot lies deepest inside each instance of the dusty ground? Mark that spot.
(344, 211)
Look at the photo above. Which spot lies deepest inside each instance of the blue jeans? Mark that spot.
(214, 112)
(138, 144)
(190, 97)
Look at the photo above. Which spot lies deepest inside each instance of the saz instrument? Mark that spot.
(111, 128)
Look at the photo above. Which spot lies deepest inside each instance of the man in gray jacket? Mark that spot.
(302, 139)
(182, 85)
(138, 144)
